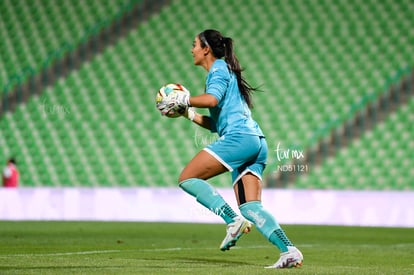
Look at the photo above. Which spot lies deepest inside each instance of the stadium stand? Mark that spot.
(313, 59)
(381, 159)
(33, 31)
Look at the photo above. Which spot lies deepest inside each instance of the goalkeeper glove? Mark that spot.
(181, 100)
(165, 106)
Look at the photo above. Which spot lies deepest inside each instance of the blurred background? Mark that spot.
(79, 79)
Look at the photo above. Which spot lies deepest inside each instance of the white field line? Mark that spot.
(177, 249)
(126, 250)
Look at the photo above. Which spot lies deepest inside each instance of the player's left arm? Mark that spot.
(203, 101)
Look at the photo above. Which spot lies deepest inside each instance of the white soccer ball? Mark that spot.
(165, 97)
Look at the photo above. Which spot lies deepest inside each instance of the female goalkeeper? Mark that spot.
(240, 149)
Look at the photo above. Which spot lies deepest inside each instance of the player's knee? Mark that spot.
(183, 177)
(180, 180)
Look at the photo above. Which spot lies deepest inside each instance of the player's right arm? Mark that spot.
(199, 119)
(203, 121)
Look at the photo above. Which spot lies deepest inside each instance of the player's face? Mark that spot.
(197, 51)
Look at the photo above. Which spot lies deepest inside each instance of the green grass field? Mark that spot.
(169, 248)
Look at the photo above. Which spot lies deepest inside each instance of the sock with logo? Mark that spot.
(207, 196)
(266, 224)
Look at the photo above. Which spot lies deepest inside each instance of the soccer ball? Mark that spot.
(164, 95)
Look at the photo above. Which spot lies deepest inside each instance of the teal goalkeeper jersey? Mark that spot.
(231, 115)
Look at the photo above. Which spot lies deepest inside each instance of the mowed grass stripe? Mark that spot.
(169, 248)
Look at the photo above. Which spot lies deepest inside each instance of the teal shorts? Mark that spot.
(240, 154)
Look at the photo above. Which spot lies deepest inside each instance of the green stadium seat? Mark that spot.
(33, 30)
(311, 68)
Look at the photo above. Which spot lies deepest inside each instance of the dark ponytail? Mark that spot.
(223, 47)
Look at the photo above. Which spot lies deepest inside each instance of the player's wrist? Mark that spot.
(187, 101)
(184, 100)
(190, 114)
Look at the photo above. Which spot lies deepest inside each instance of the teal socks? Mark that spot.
(266, 224)
(207, 196)
(279, 238)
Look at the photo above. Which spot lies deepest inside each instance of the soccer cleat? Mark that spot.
(292, 258)
(234, 231)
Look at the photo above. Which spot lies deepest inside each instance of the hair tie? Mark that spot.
(204, 40)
